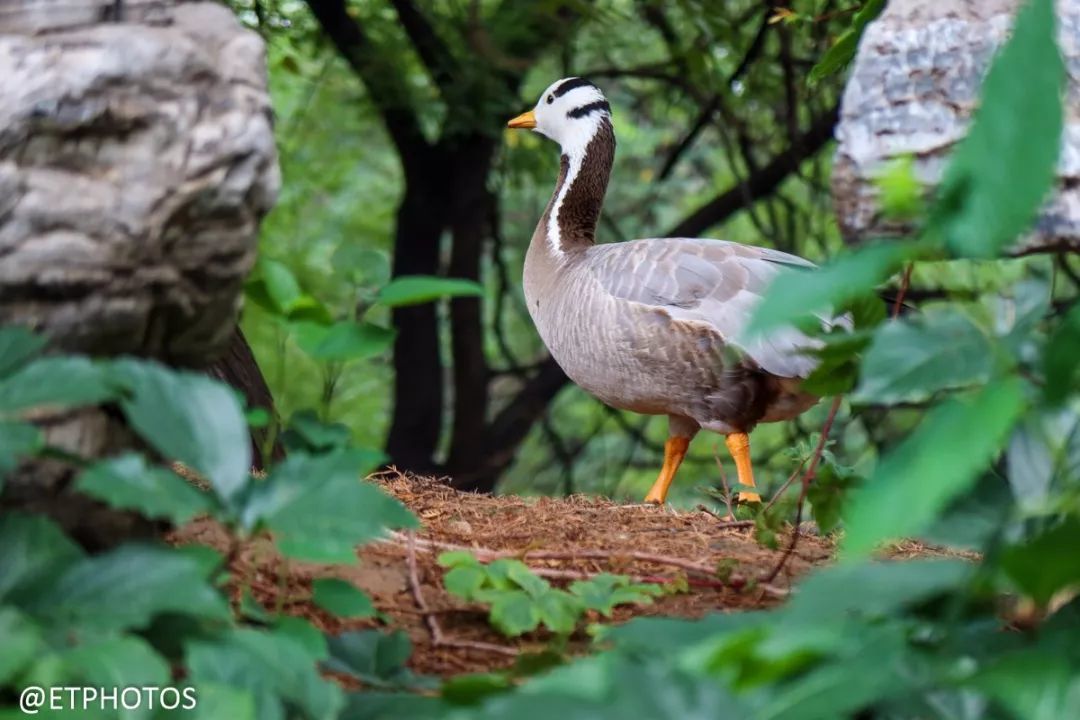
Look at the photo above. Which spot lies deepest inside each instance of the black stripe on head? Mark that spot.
(589, 109)
(570, 85)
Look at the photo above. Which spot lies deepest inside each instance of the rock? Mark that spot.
(914, 85)
(136, 160)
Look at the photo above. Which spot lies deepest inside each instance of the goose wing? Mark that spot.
(708, 282)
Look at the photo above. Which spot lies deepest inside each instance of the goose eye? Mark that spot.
(550, 99)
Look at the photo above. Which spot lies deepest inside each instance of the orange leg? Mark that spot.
(738, 444)
(674, 452)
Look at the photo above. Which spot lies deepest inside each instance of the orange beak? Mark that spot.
(526, 120)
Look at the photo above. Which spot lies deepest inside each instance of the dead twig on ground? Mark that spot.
(437, 637)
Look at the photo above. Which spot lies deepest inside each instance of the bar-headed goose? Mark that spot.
(651, 326)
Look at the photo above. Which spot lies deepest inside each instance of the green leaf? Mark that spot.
(1047, 563)
(219, 700)
(128, 482)
(22, 643)
(559, 611)
(796, 294)
(910, 360)
(126, 587)
(376, 658)
(828, 493)
(1060, 367)
(271, 666)
(341, 598)
(56, 382)
(34, 550)
(343, 341)
(873, 589)
(526, 579)
(942, 458)
(464, 581)
(838, 367)
(305, 634)
(604, 591)
(281, 285)
(18, 440)
(418, 289)
(981, 208)
(117, 661)
(843, 50)
(472, 688)
(513, 613)
(899, 191)
(456, 558)
(320, 509)
(1033, 684)
(18, 346)
(307, 433)
(189, 418)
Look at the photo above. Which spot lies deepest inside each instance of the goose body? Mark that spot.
(653, 326)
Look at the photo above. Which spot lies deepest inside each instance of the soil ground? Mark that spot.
(560, 538)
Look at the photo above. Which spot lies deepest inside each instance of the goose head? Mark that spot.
(570, 112)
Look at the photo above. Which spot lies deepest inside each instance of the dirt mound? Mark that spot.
(560, 539)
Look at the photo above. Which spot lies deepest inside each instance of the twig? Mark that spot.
(485, 555)
(724, 482)
(815, 458)
(437, 637)
(786, 485)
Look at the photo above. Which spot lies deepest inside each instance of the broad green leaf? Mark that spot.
(526, 579)
(56, 382)
(827, 494)
(281, 285)
(223, 700)
(936, 463)
(376, 658)
(1046, 563)
(271, 666)
(464, 581)
(418, 289)
(320, 509)
(559, 611)
(899, 191)
(873, 589)
(1033, 685)
(22, 642)
(305, 634)
(603, 592)
(18, 440)
(128, 482)
(305, 432)
(34, 550)
(456, 558)
(343, 341)
(1003, 170)
(796, 294)
(909, 360)
(514, 613)
(117, 661)
(126, 587)
(18, 346)
(1044, 450)
(472, 688)
(189, 418)
(1060, 367)
(341, 598)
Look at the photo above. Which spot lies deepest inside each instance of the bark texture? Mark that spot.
(914, 86)
(136, 160)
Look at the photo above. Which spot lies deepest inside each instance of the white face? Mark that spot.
(569, 112)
